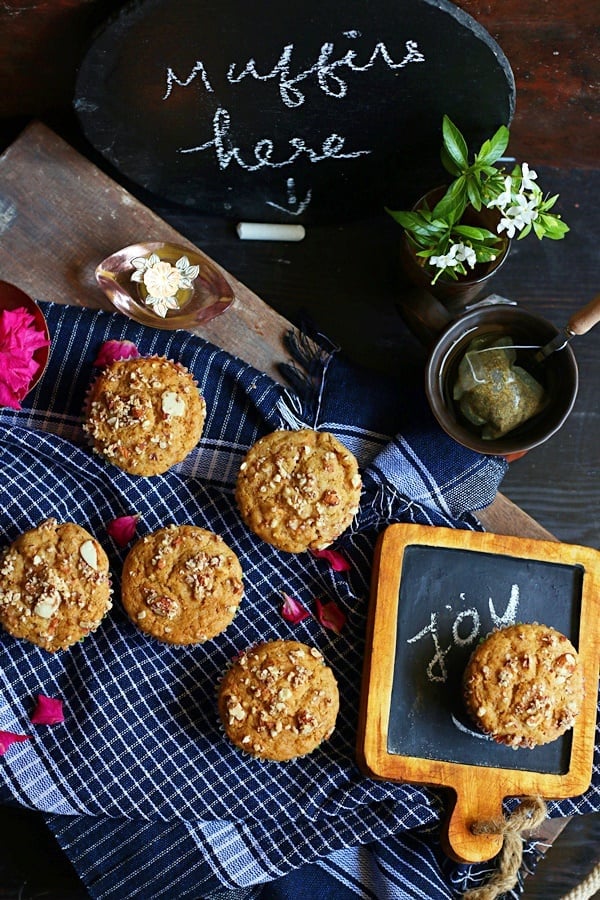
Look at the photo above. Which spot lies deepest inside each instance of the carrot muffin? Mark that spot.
(144, 414)
(523, 685)
(279, 700)
(181, 584)
(54, 585)
(298, 490)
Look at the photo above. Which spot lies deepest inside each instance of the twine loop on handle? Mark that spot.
(527, 816)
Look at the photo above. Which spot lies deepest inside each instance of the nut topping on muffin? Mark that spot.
(144, 414)
(54, 585)
(523, 685)
(298, 490)
(279, 700)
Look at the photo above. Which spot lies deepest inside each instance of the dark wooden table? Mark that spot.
(347, 279)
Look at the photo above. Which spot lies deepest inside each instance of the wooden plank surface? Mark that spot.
(60, 215)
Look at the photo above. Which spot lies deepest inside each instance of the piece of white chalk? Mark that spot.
(259, 231)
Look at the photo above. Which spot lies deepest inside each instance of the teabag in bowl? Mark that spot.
(557, 374)
(493, 392)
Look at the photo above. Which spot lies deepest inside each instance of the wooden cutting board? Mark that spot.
(435, 593)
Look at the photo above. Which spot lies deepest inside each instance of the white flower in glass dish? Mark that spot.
(163, 281)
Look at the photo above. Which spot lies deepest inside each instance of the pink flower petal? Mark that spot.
(17, 369)
(8, 737)
(18, 331)
(113, 350)
(330, 615)
(337, 562)
(8, 397)
(122, 529)
(292, 610)
(48, 711)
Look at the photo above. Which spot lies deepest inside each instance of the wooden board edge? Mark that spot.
(367, 762)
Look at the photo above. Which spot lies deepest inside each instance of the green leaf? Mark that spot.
(448, 163)
(453, 203)
(548, 203)
(474, 193)
(413, 221)
(455, 145)
(474, 233)
(524, 231)
(553, 227)
(420, 226)
(406, 219)
(493, 149)
(485, 254)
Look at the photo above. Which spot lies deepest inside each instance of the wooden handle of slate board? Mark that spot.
(477, 798)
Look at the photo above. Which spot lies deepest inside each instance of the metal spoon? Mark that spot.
(580, 323)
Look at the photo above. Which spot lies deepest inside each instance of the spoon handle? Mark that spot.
(585, 319)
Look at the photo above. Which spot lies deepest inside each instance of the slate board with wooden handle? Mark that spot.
(435, 593)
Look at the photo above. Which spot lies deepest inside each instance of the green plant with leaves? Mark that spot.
(439, 235)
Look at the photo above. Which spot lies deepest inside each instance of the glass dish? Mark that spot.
(208, 296)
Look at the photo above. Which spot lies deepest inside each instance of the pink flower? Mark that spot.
(113, 350)
(122, 529)
(330, 615)
(19, 340)
(8, 737)
(48, 711)
(292, 610)
(8, 397)
(337, 562)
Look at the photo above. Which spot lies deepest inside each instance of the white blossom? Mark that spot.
(446, 261)
(526, 208)
(464, 253)
(528, 177)
(508, 225)
(520, 215)
(504, 198)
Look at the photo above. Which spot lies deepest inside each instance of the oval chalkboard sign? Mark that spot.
(288, 113)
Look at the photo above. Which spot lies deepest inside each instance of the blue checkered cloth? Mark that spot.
(139, 785)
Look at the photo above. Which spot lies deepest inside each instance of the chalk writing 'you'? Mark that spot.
(465, 630)
(327, 71)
